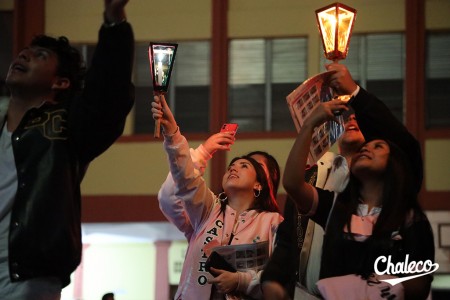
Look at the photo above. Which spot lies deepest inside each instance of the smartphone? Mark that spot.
(229, 127)
(217, 261)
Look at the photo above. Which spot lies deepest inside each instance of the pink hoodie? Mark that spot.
(198, 209)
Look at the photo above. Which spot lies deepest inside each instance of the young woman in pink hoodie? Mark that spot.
(244, 213)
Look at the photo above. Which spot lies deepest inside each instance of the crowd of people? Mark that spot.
(354, 207)
(323, 241)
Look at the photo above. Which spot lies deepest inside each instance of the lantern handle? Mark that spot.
(157, 131)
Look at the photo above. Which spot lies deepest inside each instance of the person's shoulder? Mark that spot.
(416, 217)
(272, 217)
(271, 213)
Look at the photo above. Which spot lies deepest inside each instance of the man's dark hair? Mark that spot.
(70, 62)
(108, 296)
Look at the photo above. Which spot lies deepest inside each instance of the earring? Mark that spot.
(259, 193)
(222, 197)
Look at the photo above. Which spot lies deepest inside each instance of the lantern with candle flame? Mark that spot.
(162, 57)
(335, 23)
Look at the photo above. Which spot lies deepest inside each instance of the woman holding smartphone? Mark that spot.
(244, 213)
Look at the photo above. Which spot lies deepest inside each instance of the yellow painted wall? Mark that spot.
(252, 18)
(6, 5)
(128, 169)
(140, 168)
(437, 14)
(152, 20)
(437, 165)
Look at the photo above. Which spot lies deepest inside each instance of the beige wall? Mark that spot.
(6, 5)
(140, 168)
(437, 14)
(437, 165)
(152, 20)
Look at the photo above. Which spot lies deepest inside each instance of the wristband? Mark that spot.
(171, 134)
(108, 24)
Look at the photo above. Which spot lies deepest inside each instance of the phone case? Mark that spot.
(229, 127)
(216, 260)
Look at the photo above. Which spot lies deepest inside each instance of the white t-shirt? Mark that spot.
(36, 288)
(8, 187)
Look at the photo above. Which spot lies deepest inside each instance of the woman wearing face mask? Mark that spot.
(377, 215)
(244, 213)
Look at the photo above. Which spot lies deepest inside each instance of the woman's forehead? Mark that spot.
(240, 161)
(377, 141)
(373, 142)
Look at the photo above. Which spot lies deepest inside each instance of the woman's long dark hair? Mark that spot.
(272, 166)
(399, 199)
(264, 201)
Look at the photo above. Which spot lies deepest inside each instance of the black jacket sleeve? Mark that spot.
(98, 115)
(283, 264)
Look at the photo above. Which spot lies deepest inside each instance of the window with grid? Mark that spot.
(377, 63)
(437, 84)
(262, 73)
(189, 88)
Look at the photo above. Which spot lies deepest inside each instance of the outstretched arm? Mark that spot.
(279, 275)
(190, 187)
(171, 206)
(98, 115)
(376, 120)
(294, 172)
(115, 11)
